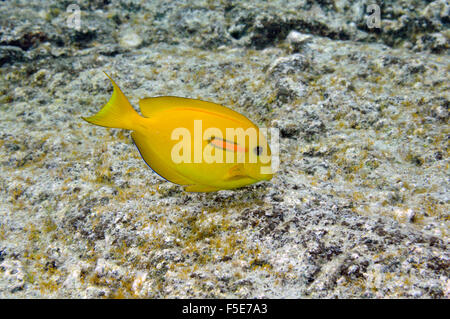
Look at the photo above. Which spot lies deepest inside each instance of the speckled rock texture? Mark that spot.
(358, 209)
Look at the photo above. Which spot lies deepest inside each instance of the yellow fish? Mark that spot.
(201, 145)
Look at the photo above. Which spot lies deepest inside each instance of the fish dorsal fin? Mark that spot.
(152, 105)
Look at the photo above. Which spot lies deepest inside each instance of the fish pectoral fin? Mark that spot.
(235, 172)
(200, 188)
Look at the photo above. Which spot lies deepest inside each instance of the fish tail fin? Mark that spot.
(117, 113)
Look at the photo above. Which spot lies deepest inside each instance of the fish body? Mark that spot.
(201, 145)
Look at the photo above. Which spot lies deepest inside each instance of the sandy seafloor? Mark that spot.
(358, 209)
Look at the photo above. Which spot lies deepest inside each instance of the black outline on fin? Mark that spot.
(149, 164)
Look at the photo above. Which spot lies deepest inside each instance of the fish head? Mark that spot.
(258, 162)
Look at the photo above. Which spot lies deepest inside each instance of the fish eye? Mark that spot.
(258, 150)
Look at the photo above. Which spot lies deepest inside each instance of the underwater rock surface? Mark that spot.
(358, 208)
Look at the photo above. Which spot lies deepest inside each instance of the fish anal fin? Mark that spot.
(153, 161)
(200, 188)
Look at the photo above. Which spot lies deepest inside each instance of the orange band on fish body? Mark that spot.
(226, 145)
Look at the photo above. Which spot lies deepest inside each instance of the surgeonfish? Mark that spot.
(201, 145)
